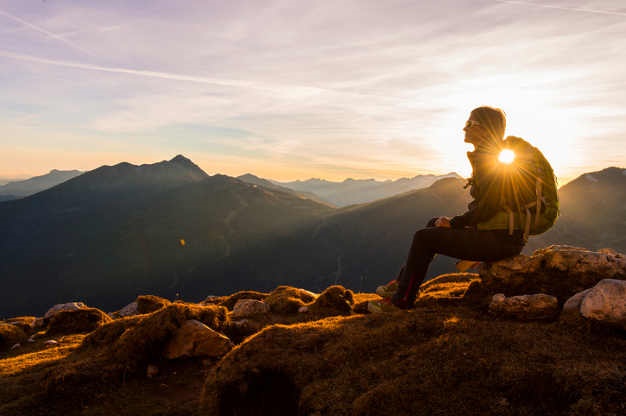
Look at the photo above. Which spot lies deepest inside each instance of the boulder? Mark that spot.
(10, 335)
(571, 308)
(245, 308)
(70, 306)
(606, 303)
(334, 300)
(150, 303)
(27, 323)
(231, 300)
(195, 339)
(77, 321)
(129, 310)
(560, 271)
(525, 307)
(287, 299)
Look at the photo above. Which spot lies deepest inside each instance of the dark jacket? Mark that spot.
(486, 185)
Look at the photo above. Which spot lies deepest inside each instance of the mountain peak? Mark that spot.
(181, 159)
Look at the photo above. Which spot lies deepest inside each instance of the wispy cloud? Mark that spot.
(48, 34)
(565, 8)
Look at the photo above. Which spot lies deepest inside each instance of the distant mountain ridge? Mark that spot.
(20, 189)
(255, 180)
(358, 191)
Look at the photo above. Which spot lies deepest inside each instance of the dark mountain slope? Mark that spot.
(593, 212)
(116, 231)
(359, 247)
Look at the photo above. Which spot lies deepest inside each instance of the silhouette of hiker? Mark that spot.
(459, 236)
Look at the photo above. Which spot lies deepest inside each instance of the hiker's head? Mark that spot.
(485, 125)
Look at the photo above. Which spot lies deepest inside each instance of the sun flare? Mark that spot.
(506, 156)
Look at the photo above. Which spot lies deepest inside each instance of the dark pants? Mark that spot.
(462, 243)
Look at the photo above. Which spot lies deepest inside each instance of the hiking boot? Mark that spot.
(381, 306)
(388, 290)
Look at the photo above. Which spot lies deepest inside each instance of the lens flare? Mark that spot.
(506, 156)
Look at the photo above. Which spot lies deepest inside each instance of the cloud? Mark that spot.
(49, 34)
(565, 8)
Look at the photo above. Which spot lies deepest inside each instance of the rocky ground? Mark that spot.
(541, 334)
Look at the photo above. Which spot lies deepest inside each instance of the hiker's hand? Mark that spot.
(443, 222)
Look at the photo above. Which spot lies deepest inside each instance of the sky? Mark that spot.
(298, 89)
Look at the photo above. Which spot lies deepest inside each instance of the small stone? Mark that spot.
(16, 346)
(303, 309)
(606, 302)
(51, 343)
(152, 371)
(32, 338)
(245, 308)
(525, 307)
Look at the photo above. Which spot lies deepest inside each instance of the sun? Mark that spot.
(506, 156)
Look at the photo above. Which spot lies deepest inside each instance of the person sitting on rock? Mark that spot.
(462, 236)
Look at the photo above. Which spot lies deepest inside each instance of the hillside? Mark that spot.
(121, 230)
(593, 212)
(359, 247)
(293, 352)
(20, 189)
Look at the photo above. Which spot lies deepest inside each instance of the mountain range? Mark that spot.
(170, 229)
(20, 189)
(358, 191)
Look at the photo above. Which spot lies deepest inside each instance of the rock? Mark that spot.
(571, 308)
(10, 335)
(606, 303)
(334, 300)
(231, 300)
(245, 308)
(16, 346)
(26, 323)
(31, 339)
(70, 306)
(303, 309)
(195, 339)
(525, 307)
(152, 371)
(76, 321)
(51, 343)
(287, 299)
(560, 271)
(150, 303)
(129, 310)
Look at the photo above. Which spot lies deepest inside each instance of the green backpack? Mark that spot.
(528, 196)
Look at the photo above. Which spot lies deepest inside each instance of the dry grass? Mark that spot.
(78, 321)
(433, 360)
(10, 335)
(288, 299)
(103, 361)
(150, 303)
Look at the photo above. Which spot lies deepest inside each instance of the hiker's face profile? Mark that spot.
(474, 132)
